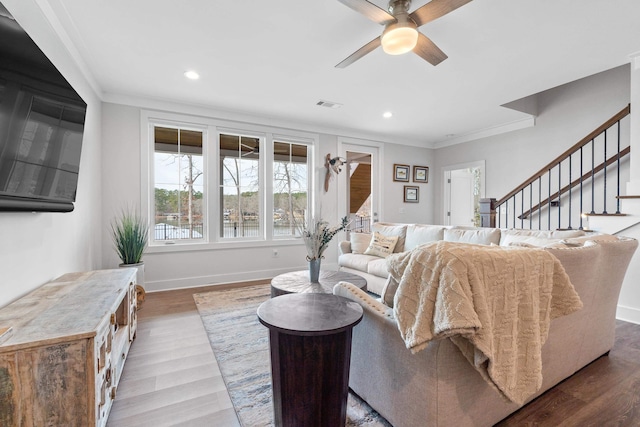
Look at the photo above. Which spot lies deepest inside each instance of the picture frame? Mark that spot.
(421, 174)
(411, 194)
(401, 172)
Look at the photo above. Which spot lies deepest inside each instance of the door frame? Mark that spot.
(446, 174)
(376, 150)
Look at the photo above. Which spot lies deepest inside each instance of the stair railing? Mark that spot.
(560, 185)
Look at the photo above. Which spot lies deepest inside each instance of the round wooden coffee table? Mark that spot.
(297, 282)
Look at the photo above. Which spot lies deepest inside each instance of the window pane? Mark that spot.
(179, 184)
(240, 184)
(290, 187)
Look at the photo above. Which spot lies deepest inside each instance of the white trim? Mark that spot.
(377, 206)
(628, 314)
(634, 58)
(212, 128)
(484, 133)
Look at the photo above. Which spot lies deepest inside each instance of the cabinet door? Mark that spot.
(9, 393)
(55, 385)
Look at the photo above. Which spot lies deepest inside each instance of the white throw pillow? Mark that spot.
(528, 241)
(390, 229)
(381, 245)
(420, 234)
(480, 236)
(359, 242)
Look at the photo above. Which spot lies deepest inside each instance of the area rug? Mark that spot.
(241, 347)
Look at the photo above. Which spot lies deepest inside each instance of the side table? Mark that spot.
(310, 342)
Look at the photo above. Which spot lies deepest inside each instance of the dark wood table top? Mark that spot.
(298, 282)
(309, 314)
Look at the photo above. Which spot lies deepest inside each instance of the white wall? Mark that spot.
(565, 115)
(167, 269)
(35, 248)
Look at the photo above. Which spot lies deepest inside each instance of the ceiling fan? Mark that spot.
(401, 33)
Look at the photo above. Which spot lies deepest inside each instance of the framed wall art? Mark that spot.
(411, 194)
(401, 172)
(420, 174)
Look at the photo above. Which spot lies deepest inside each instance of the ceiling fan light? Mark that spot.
(399, 40)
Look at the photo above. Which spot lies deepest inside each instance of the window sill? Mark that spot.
(208, 246)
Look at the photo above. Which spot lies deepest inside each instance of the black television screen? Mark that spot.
(41, 127)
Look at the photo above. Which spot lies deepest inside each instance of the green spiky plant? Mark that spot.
(130, 234)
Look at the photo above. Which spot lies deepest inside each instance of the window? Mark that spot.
(240, 186)
(214, 182)
(290, 187)
(178, 184)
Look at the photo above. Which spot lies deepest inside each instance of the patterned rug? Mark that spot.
(241, 346)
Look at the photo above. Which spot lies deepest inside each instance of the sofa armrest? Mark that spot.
(369, 304)
(344, 247)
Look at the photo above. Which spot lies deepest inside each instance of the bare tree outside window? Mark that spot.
(290, 187)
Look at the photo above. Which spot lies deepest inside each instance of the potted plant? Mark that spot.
(130, 233)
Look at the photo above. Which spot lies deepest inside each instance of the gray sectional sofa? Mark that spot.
(438, 386)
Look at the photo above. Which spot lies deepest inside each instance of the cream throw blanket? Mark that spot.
(494, 303)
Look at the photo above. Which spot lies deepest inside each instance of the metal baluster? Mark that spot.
(581, 227)
(521, 208)
(530, 204)
(549, 203)
(593, 144)
(559, 190)
(514, 211)
(604, 210)
(570, 175)
(618, 173)
(540, 203)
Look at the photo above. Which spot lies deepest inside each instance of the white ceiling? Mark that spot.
(276, 58)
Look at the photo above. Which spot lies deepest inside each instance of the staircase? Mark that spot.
(579, 189)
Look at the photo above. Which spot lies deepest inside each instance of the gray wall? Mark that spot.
(565, 115)
(38, 247)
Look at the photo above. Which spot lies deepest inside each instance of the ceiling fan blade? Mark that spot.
(434, 10)
(367, 48)
(428, 50)
(370, 10)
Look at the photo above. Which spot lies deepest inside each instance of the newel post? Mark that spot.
(487, 212)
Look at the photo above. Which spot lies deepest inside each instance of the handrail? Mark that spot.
(584, 141)
(566, 188)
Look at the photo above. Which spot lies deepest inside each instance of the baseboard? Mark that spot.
(628, 314)
(218, 279)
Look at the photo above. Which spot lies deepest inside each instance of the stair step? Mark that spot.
(628, 197)
(605, 214)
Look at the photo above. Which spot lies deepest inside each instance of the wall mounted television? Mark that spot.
(41, 127)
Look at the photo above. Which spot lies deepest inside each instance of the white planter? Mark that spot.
(139, 275)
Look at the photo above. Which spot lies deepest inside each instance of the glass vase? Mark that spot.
(314, 269)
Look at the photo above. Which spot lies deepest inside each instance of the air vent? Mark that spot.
(329, 104)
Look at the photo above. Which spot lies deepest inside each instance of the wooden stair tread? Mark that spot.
(628, 197)
(605, 214)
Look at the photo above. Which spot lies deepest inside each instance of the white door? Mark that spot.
(461, 198)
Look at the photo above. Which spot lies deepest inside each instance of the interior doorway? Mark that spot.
(359, 196)
(463, 189)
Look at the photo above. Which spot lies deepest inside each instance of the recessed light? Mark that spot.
(191, 75)
(387, 115)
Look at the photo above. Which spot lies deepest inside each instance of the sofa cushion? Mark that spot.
(555, 234)
(378, 267)
(419, 234)
(381, 245)
(566, 234)
(528, 241)
(356, 261)
(389, 229)
(359, 242)
(481, 236)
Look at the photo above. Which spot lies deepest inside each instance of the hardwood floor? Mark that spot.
(171, 377)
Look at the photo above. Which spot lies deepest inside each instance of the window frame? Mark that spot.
(212, 128)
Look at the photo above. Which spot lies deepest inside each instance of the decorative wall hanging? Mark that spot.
(401, 172)
(420, 174)
(333, 166)
(411, 194)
